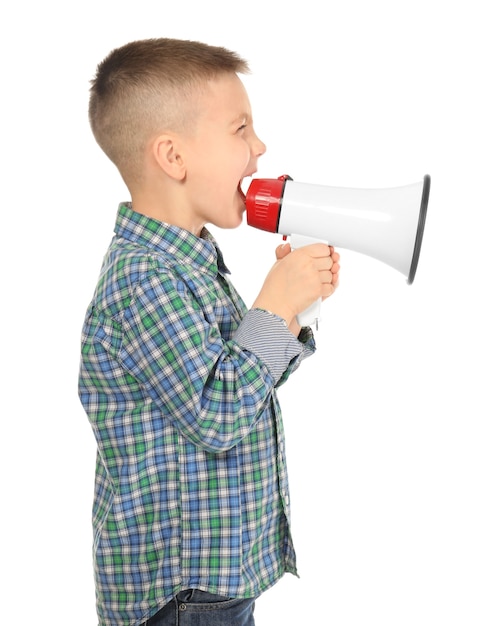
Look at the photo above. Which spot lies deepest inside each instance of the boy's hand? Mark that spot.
(297, 279)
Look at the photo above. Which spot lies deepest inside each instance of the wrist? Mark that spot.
(275, 308)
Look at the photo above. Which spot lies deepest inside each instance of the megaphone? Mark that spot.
(386, 224)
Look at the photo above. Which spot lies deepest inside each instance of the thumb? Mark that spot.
(282, 251)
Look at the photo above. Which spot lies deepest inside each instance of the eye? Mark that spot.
(241, 128)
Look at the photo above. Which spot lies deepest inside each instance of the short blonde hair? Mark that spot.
(148, 86)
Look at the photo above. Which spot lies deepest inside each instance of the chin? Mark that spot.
(238, 216)
(230, 222)
(234, 223)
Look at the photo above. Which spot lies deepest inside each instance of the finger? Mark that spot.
(282, 251)
(335, 268)
(323, 263)
(327, 290)
(317, 250)
(326, 276)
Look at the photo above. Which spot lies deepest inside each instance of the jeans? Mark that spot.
(199, 608)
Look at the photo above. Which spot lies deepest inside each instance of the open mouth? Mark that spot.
(243, 186)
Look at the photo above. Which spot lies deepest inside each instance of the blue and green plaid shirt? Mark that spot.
(178, 380)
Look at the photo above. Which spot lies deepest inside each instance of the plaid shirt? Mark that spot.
(178, 380)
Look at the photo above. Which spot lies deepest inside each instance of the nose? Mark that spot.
(257, 146)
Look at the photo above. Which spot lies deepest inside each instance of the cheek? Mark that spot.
(224, 167)
(239, 155)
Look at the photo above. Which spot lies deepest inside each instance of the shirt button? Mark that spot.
(182, 607)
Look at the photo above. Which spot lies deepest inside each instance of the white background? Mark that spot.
(394, 428)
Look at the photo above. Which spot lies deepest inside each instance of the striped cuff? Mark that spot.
(266, 335)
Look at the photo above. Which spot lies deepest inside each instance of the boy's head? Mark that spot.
(146, 87)
(176, 120)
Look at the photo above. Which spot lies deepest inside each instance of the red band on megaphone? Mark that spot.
(264, 201)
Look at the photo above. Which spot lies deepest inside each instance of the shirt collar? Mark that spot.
(201, 251)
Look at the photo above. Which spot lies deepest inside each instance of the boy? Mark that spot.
(178, 378)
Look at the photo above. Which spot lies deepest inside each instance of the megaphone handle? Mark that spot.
(311, 315)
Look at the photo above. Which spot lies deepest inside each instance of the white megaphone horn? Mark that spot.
(386, 224)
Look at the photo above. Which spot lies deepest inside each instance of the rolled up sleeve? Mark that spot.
(266, 335)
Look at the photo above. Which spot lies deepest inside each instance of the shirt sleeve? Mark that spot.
(266, 335)
(213, 390)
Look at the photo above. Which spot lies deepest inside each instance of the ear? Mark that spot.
(166, 150)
